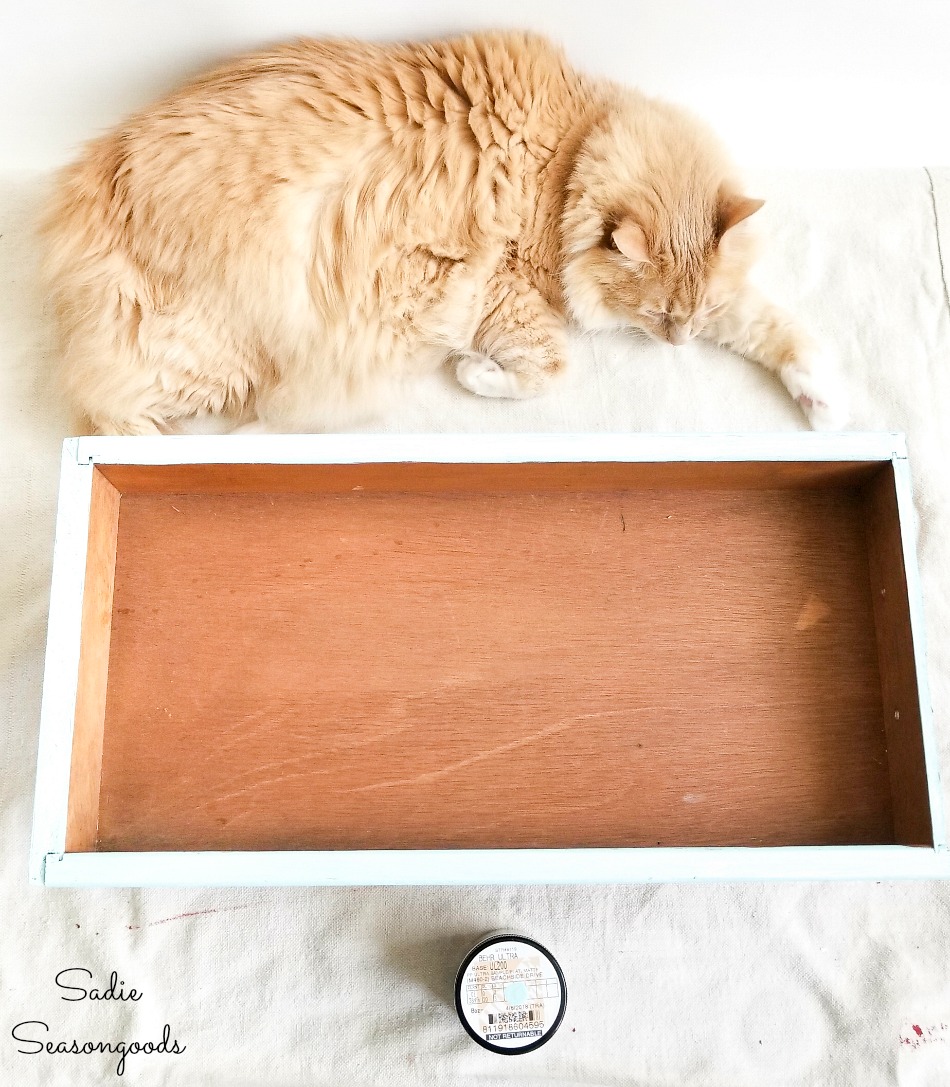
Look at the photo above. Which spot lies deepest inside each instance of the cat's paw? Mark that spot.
(483, 376)
(824, 415)
(815, 386)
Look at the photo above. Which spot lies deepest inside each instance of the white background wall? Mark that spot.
(786, 82)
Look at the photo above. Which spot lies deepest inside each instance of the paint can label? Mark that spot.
(510, 994)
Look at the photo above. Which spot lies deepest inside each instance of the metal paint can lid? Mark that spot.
(510, 993)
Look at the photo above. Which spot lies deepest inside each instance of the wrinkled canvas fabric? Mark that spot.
(712, 984)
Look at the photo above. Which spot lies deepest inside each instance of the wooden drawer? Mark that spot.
(485, 658)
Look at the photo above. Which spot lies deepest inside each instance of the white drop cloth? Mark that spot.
(722, 984)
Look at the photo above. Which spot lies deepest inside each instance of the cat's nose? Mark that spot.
(678, 334)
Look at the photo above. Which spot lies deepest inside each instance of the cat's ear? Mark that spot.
(628, 238)
(733, 209)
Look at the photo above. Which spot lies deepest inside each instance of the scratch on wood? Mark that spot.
(433, 775)
(399, 710)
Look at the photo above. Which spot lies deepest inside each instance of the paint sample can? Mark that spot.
(510, 993)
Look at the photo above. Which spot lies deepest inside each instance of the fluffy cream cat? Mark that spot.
(299, 232)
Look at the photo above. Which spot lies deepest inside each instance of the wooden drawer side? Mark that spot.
(86, 766)
(913, 822)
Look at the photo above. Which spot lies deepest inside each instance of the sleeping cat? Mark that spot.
(296, 234)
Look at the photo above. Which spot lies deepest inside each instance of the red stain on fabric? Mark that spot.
(184, 917)
(919, 1036)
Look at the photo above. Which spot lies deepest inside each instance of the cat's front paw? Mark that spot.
(815, 386)
(482, 375)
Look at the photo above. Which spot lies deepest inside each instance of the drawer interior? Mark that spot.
(495, 656)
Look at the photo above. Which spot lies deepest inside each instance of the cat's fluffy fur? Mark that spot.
(300, 231)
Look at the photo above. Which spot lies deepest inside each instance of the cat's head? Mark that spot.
(655, 233)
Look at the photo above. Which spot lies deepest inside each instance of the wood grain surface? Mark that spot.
(494, 660)
(412, 477)
(94, 654)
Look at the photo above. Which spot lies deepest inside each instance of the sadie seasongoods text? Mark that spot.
(32, 1035)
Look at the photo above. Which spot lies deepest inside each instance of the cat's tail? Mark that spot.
(98, 292)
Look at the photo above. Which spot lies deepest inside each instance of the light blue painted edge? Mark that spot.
(486, 448)
(61, 671)
(493, 866)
